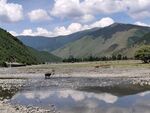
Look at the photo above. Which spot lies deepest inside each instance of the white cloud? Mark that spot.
(38, 15)
(85, 9)
(103, 22)
(141, 24)
(138, 9)
(66, 8)
(43, 32)
(86, 18)
(10, 12)
(71, 9)
(102, 6)
(79, 9)
(27, 32)
(75, 27)
(72, 28)
(39, 32)
(140, 15)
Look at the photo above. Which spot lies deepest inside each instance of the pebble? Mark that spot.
(7, 84)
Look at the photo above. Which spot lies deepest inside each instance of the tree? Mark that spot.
(119, 57)
(3, 64)
(113, 57)
(143, 54)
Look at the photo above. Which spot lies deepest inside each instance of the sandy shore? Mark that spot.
(7, 108)
(10, 87)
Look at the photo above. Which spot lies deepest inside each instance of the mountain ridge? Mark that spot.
(113, 39)
(50, 43)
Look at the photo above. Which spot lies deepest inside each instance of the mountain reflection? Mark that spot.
(74, 101)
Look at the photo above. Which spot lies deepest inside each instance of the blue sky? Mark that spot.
(62, 17)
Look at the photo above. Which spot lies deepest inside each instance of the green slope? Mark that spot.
(143, 39)
(11, 49)
(51, 43)
(114, 39)
(43, 56)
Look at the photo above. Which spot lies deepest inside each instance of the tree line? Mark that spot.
(93, 58)
(143, 54)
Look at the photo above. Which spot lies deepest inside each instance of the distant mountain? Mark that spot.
(11, 49)
(114, 39)
(51, 43)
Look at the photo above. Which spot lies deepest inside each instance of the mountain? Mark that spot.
(51, 43)
(114, 39)
(118, 38)
(11, 49)
(144, 39)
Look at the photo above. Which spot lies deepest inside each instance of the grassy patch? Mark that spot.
(122, 64)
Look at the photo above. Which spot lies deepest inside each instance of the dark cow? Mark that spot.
(48, 75)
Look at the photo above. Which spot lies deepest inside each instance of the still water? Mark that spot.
(95, 99)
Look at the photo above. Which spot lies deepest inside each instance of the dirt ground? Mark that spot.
(134, 71)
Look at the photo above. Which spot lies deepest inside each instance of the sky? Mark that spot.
(62, 17)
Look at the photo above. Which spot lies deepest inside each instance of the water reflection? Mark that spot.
(77, 101)
(70, 94)
(118, 90)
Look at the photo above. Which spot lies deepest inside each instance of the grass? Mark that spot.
(121, 64)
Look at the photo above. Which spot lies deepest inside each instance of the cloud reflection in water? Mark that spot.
(73, 101)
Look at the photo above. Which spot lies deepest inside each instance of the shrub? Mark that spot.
(143, 54)
(3, 64)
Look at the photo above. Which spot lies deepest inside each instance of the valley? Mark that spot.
(115, 39)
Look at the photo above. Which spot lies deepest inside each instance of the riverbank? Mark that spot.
(8, 108)
(84, 69)
(8, 88)
(30, 89)
(68, 75)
